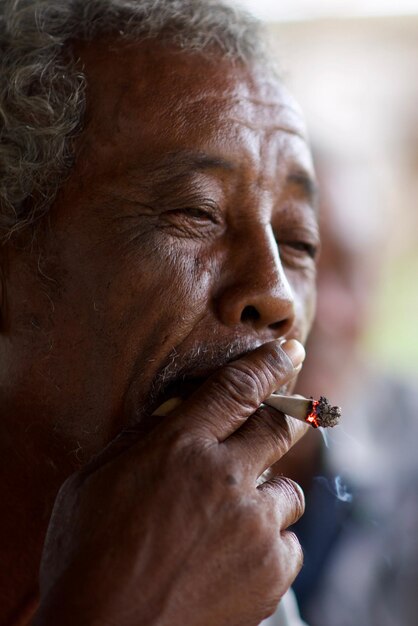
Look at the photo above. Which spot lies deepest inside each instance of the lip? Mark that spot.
(204, 362)
(185, 387)
(189, 381)
(180, 388)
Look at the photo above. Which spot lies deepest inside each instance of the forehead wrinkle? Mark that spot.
(238, 104)
(196, 159)
(254, 121)
(177, 165)
(280, 114)
(270, 128)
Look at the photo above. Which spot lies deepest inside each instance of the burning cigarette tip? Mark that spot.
(323, 414)
(317, 413)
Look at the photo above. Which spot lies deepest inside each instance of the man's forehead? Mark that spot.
(149, 104)
(158, 81)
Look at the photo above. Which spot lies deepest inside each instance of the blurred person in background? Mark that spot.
(359, 532)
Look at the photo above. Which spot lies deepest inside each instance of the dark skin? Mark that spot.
(183, 239)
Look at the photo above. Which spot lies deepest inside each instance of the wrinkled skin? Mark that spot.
(184, 237)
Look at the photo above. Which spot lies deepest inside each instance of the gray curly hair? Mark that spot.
(42, 89)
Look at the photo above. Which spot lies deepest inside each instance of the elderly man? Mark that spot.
(158, 241)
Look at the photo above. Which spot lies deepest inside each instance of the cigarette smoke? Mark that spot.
(337, 487)
(342, 491)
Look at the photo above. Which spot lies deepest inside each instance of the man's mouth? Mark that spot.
(182, 376)
(180, 390)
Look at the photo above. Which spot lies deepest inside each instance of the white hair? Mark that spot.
(42, 88)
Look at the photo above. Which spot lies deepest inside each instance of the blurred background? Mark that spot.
(353, 66)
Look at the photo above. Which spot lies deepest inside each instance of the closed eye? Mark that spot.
(302, 246)
(196, 214)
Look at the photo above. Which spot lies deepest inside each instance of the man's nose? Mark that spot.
(255, 289)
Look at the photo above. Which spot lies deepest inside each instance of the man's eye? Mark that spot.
(194, 213)
(200, 214)
(302, 246)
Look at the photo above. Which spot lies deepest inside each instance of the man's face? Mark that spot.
(183, 237)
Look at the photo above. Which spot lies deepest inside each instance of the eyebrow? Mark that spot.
(179, 163)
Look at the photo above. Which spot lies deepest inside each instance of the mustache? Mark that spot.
(200, 361)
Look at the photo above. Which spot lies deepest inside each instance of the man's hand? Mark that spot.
(170, 528)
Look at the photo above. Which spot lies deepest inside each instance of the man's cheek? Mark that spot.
(310, 308)
(185, 277)
(305, 308)
(160, 300)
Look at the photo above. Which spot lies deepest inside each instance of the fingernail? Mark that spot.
(295, 351)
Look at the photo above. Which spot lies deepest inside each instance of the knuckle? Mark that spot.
(275, 564)
(294, 548)
(293, 493)
(274, 426)
(241, 511)
(176, 450)
(270, 556)
(286, 559)
(228, 471)
(199, 462)
(277, 360)
(239, 384)
(263, 533)
(297, 547)
(268, 548)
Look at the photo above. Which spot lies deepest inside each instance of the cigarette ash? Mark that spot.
(323, 415)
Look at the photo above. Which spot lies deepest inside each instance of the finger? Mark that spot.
(231, 395)
(292, 555)
(285, 502)
(126, 439)
(286, 497)
(264, 439)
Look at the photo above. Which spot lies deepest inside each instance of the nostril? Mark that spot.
(250, 314)
(277, 325)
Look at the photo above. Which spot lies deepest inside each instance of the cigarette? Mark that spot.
(317, 413)
(166, 407)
